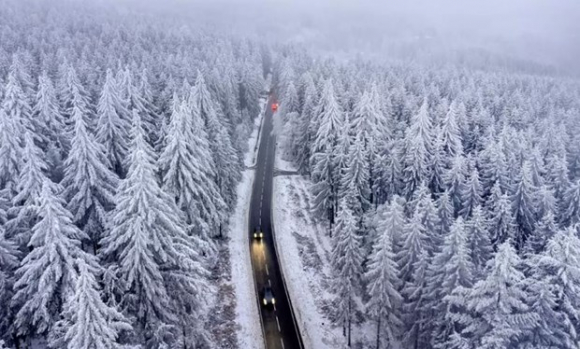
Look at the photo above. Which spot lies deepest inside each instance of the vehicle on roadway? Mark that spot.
(274, 107)
(268, 298)
(258, 233)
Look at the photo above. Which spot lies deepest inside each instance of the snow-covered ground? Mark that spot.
(304, 249)
(249, 331)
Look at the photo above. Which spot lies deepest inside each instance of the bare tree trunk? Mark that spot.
(378, 331)
(349, 320)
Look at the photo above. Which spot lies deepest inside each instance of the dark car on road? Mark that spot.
(268, 298)
(258, 234)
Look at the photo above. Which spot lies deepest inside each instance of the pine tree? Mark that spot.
(425, 207)
(478, 240)
(25, 203)
(524, 205)
(546, 201)
(417, 313)
(356, 175)
(455, 179)
(112, 126)
(451, 267)
(370, 124)
(571, 214)
(414, 243)
(305, 135)
(494, 313)
(559, 267)
(160, 278)
(493, 167)
(16, 104)
(322, 161)
(187, 167)
(88, 182)
(438, 163)
(48, 115)
(46, 275)
(87, 321)
(501, 220)
(346, 261)
(418, 149)
(383, 282)
(10, 152)
(224, 155)
(471, 193)
(135, 100)
(451, 132)
(445, 213)
(9, 260)
(544, 230)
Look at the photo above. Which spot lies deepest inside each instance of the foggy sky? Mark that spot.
(539, 30)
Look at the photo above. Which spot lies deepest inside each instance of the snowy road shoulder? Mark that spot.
(249, 330)
(303, 253)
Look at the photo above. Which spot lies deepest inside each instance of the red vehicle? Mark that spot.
(274, 107)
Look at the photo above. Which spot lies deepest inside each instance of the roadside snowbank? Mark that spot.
(249, 330)
(303, 250)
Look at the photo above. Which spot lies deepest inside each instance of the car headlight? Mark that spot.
(265, 301)
(273, 300)
(261, 234)
(255, 235)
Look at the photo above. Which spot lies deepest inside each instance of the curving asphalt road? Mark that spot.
(279, 327)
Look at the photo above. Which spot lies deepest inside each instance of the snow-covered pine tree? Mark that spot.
(9, 261)
(382, 274)
(224, 155)
(437, 165)
(494, 313)
(571, 214)
(544, 230)
(305, 135)
(324, 152)
(135, 100)
(45, 278)
(414, 242)
(451, 267)
(160, 278)
(418, 149)
(10, 152)
(368, 121)
(89, 184)
(524, 204)
(559, 267)
(112, 130)
(346, 261)
(445, 213)
(48, 115)
(452, 140)
(356, 175)
(187, 167)
(25, 204)
(416, 311)
(501, 219)
(478, 241)
(16, 104)
(546, 201)
(87, 322)
(471, 193)
(455, 180)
